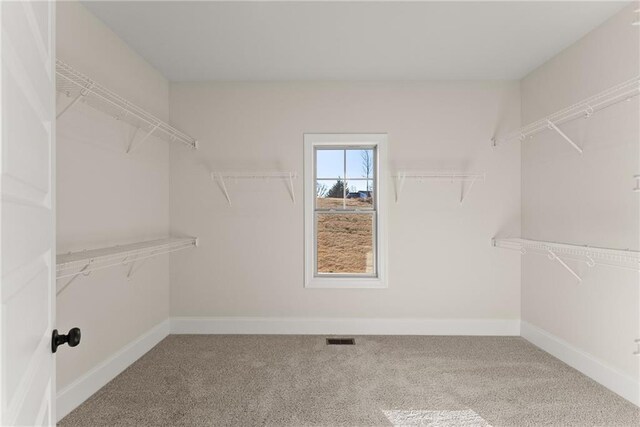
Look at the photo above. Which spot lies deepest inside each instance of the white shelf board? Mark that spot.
(617, 258)
(585, 108)
(78, 87)
(222, 177)
(74, 263)
(438, 176)
(231, 175)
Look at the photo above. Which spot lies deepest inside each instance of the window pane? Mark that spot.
(359, 195)
(345, 243)
(360, 163)
(329, 163)
(329, 194)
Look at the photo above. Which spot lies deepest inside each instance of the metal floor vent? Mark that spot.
(341, 341)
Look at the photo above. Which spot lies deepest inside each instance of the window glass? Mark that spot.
(345, 243)
(330, 194)
(329, 163)
(360, 163)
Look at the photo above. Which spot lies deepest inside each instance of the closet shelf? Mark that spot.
(617, 258)
(79, 87)
(73, 264)
(585, 108)
(222, 177)
(421, 176)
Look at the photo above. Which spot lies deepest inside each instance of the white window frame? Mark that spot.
(311, 141)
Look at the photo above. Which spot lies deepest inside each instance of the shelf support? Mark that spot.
(223, 187)
(133, 138)
(132, 146)
(637, 352)
(293, 195)
(564, 135)
(462, 193)
(637, 187)
(78, 97)
(400, 179)
(553, 256)
(133, 264)
(75, 276)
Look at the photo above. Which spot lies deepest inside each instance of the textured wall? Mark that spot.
(250, 259)
(106, 197)
(585, 199)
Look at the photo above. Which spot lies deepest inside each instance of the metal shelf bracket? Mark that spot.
(132, 268)
(399, 181)
(464, 194)
(73, 278)
(564, 135)
(133, 145)
(223, 186)
(78, 97)
(553, 256)
(293, 194)
(222, 177)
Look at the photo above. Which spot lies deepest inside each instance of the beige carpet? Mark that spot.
(233, 380)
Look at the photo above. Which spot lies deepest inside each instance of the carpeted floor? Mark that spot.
(248, 380)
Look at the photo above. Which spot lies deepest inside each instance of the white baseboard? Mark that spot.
(596, 369)
(81, 389)
(345, 326)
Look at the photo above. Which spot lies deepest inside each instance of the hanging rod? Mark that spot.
(79, 87)
(585, 108)
(616, 258)
(401, 176)
(222, 178)
(73, 264)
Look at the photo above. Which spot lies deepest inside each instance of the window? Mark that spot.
(344, 210)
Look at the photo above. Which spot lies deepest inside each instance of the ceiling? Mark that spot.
(196, 41)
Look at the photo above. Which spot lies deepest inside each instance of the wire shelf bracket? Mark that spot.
(74, 264)
(222, 178)
(564, 136)
(81, 88)
(585, 108)
(462, 177)
(592, 256)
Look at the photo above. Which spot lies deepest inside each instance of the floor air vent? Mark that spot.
(341, 341)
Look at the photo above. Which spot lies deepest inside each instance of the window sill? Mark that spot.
(344, 283)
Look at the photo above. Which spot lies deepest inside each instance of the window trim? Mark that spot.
(379, 140)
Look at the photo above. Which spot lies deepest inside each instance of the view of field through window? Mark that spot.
(345, 215)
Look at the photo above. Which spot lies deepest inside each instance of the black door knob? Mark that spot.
(72, 338)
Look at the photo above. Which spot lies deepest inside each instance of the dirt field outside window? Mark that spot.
(345, 241)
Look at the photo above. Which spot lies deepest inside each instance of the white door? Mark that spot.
(27, 220)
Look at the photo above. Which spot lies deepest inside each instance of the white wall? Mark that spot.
(250, 259)
(107, 197)
(585, 199)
